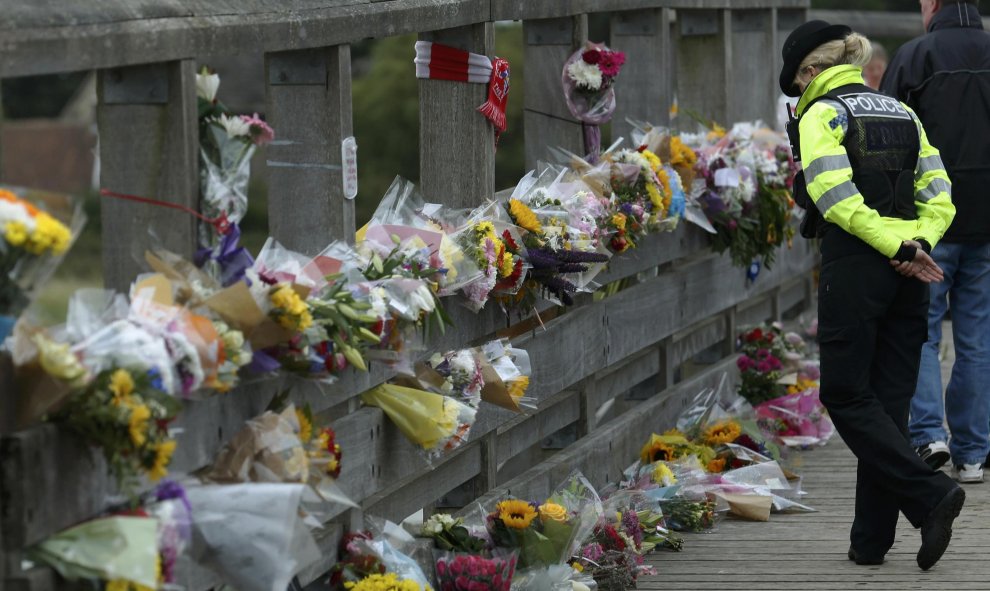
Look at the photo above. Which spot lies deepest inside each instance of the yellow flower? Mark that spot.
(518, 386)
(292, 313)
(717, 132)
(577, 566)
(663, 475)
(681, 154)
(656, 450)
(722, 432)
(58, 360)
(664, 179)
(138, 424)
(117, 585)
(485, 229)
(673, 432)
(121, 385)
(802, 385)
(516, 514)
(655, 198)
(619, 221)
(305, 426)
(508, 265)
(553, 512)
(15, 233)
(655, 164)
(524, 216)
(716, 466)
(386, 582)
(163, 456)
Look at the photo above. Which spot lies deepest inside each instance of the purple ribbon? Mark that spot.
(231, 259)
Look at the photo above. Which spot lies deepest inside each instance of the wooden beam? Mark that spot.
(547, 121)
(309, 106)
(148, 147)
(456, 142)
(645, 87)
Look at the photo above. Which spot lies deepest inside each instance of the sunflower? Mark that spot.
(656, 450)
(524, 216)
(716, 466)
(722, 432)
(163, 456)
(516, 514)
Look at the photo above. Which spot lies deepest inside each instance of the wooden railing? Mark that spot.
(719, 57)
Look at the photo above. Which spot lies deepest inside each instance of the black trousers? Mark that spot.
(872, 323)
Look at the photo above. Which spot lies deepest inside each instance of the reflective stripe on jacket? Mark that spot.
(829, 174)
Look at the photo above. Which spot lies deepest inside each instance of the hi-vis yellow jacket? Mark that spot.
(829, 175)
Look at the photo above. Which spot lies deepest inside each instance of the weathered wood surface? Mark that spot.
(645, 91)
(808, 551)
(309, 104)
(752, 92)
(456, 143)
(547, 121)
(148, 147)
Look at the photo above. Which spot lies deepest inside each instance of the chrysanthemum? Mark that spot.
(722, 432)
(305, 426)
(716, 466)
(516, 514)
(121, 385)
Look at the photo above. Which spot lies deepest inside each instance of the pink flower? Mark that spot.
(733, 224)
(611, 62)
(744, 363)
(774, 362)
(261, 133)
(763, 366)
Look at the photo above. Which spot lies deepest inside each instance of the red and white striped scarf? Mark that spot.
(441, 62)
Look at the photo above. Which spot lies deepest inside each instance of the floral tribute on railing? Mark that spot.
(36, 230)
(747, 175)
(116, 373)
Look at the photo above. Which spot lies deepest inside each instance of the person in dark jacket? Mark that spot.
(944, 76)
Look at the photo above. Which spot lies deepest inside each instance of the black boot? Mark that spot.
(936, 530)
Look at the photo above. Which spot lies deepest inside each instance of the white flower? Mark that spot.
(234, 126)
(207, 85)
(463, 363)
(379, 306)
(585, 75)
(15, 212)
(422, 299)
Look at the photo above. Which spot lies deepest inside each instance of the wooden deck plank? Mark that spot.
(808, 551)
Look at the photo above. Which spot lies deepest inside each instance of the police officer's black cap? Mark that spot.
(800, 43)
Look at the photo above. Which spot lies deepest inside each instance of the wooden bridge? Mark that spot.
(720, 57)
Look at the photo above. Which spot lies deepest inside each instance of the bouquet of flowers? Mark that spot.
(434, 422)
(506, 372)
(125, 413)
(32, 244)
(385, 582)
(747, 177)
(766, 356)
(641, 194)
(797, 418)
(588, 78)
(695, 513)
(227, 142)
(376, 560)
(493, 244)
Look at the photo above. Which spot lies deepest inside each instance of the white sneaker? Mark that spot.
(968, 473)
(935, 454)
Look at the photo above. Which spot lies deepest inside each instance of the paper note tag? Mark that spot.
(348, 160)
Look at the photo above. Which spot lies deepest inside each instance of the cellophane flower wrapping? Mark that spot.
(490, 238)
(433, 422)
(798, 420)
(746, 175)
(587, 80)
(507, 371)
(556, 577)
(36, 230)
(613, 553)
(251, 535)
(403, 218)
(108, 548)
(227, 143)
(390, 547)
(461, 571)
(174, 518)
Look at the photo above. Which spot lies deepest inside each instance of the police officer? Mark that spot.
(883, 198)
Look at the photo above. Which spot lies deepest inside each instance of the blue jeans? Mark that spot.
(6, 327)
(966, 289)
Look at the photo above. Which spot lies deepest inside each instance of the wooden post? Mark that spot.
(644, 89)
(148, 147)
(548, 122)
(753, 88)
(784, 21)
(704, 50)
(308, 95)
(456, 142)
